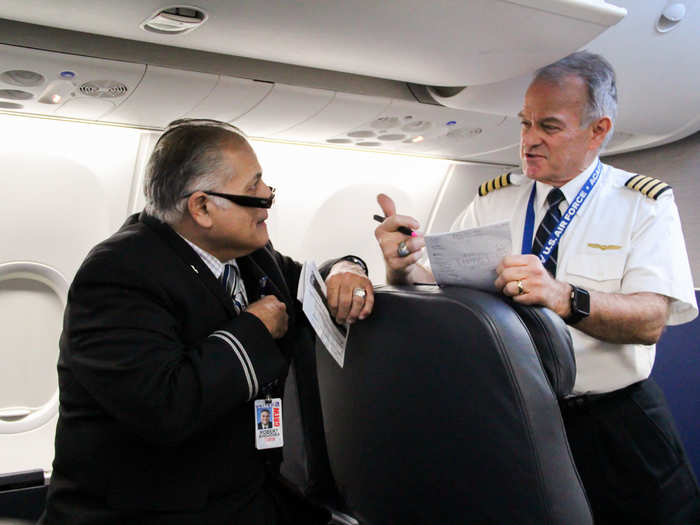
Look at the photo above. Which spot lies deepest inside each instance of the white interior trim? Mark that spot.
(31, 418)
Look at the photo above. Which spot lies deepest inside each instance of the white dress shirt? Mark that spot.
(621, 242)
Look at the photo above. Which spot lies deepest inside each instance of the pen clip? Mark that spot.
(262, 285)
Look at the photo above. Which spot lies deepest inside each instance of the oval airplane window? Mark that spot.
(31, 294)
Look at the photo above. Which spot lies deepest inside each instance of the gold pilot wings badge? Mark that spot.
(604, 246)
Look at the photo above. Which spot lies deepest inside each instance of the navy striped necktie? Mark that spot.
(231, 280)
(549, 222)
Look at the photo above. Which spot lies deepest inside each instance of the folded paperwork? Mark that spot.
(312, 293)
(469, 257)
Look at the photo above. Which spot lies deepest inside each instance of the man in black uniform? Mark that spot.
(174, 326)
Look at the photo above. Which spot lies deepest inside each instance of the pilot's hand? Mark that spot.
(350, 293)
(523, 278)
(400, 251)
(273, 313)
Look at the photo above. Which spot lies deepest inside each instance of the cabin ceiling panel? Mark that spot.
(344, 113)
(477, 42)
(163, 96)
(283, 107)
(231, 98)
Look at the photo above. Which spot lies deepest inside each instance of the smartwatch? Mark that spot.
(580, 305)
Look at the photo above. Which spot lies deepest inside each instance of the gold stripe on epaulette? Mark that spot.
(494, 184)
(647, 186)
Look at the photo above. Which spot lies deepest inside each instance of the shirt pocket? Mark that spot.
(597, 271)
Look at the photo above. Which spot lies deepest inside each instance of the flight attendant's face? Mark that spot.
(554, 147)
(238, 230)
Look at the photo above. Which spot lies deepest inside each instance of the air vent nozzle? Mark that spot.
(103, 89)
(174, 20)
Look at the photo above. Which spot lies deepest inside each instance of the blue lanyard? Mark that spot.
(565, 220)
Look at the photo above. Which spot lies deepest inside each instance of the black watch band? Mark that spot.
(355, 259)
(580, 305)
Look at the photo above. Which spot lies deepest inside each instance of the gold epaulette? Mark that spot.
(647, 186)
(495, 184)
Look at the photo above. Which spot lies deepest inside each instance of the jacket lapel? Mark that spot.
(190, 259)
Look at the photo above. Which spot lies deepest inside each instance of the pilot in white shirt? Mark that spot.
(612, 263)
(620, 241)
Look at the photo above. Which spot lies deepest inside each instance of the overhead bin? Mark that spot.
(442, 42)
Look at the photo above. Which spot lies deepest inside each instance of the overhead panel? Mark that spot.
(284, 107)
(231, 98)
(42, 82)
(85, 108)
(345, 112)
(162, 96)
(412, 127)
(442, 42)
(463, 142)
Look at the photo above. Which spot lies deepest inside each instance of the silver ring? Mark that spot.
(521, 289)
(359, 292)
(403, 250)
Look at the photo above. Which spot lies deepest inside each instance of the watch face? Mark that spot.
(581, 301)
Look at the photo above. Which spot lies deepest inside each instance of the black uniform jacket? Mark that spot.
(157, 379)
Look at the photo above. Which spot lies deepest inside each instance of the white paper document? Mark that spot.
(469, 257)
(312, 294)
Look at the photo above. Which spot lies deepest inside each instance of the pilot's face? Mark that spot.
(554, 148)
(239, 230)
(264, 418)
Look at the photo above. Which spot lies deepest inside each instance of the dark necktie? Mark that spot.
(547, 226)
(231, 279)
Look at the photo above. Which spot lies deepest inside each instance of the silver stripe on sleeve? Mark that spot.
(235, 341)
(243, 365)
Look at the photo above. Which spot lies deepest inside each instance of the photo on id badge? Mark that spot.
(268, 423)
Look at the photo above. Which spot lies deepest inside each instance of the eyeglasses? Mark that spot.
(242, 200)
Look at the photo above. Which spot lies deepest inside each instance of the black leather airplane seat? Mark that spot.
(443, 413)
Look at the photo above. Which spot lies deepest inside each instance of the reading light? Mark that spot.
(56, 92)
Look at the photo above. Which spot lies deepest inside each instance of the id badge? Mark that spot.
(268, 423)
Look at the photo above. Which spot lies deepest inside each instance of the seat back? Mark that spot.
(552, 341)
(443, 414)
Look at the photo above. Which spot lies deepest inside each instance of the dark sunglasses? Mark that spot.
(242, 200)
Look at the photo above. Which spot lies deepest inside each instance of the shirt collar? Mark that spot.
(212, 262)
(570, 189)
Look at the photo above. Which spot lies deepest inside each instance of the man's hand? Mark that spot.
(273, 313)
(345, 284)
(400, 269)
(537, 286)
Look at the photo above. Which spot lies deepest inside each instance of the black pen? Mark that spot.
(402, 229)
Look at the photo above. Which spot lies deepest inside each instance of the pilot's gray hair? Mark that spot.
(599, 77)
(187, 158)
